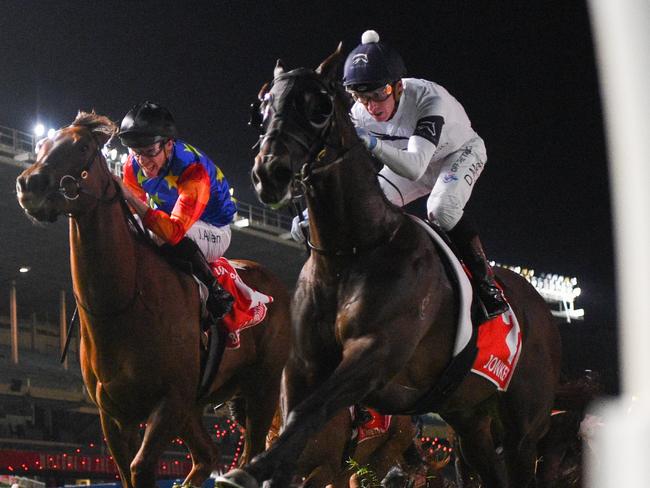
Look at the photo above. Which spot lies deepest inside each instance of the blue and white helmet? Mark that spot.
(372, 64)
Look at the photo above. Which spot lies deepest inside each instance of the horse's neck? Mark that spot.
(347, 206)
(103, 258)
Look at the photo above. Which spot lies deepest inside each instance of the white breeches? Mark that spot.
(212, 240)
(450, 183)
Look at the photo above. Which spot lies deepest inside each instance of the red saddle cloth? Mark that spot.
(249, 307)
(378, 425)
(499, 345)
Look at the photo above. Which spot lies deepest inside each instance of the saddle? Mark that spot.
(474, 346)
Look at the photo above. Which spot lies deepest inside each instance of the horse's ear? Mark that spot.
(101, 127)
(328, 69)
(263, 91)
(103, 133)
(279, 68)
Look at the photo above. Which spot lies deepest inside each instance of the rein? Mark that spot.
(70, 187)
(118, 196)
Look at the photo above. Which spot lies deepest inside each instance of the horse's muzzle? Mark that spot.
(34, 196)
(272, 177)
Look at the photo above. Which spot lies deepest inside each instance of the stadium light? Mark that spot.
(24, 269)
(556, 289)
(51, 132)
(39, 130)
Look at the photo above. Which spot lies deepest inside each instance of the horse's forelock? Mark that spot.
(95, 123)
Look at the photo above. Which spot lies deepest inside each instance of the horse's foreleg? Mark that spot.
(262, 395)
(480, 451)
(164, 423)
(355, 376)
(123, 443)
(205, 454)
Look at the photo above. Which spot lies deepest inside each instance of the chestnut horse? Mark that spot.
(140, 346)
(374, 311)
(323, 462)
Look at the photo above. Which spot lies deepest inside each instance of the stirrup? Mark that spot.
(493, 301)
(219, 302)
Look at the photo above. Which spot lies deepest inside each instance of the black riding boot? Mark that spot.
(465, 236)
(219, 300)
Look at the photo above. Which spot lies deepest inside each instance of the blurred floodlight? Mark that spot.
(24, 269)
(39, 130)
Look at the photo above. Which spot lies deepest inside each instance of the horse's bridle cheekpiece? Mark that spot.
(70, 187)
(317, 127)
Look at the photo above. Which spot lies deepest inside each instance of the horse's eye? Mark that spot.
(319, 109)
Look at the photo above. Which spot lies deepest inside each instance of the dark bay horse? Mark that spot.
(374, 312)
(140, 334)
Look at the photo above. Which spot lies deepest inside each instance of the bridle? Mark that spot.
(71, 187)
(312, 135)
(318, 159)
(78, 189)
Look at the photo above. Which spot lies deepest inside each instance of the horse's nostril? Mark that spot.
(34, 183)
(283, 174)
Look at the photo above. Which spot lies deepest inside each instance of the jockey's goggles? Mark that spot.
(149, 151)
(380, 94)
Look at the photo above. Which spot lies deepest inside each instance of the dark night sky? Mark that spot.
(523, 70)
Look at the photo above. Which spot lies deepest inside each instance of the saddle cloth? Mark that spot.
(377, 425)
(249, 307)
(498, 339)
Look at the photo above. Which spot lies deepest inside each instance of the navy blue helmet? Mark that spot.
(372, 64)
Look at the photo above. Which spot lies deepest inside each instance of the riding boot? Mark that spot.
(466, 239)
(219, 301)
(361, 415)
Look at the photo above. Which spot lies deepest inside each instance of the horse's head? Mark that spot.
(58, 181)
(298, 111)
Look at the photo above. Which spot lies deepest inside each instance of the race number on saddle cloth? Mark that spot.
(249, 307)
(377, 425)
(498, 340)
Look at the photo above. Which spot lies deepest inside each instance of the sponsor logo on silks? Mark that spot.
(427, 128)
(360, 58)
(449, 177)
(430, 128)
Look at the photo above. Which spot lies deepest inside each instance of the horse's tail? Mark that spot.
(560, 450)
(576, 394)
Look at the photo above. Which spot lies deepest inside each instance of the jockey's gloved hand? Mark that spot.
(367, 138)
(300, 227)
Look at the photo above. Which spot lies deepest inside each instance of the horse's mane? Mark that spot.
(95, 123)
